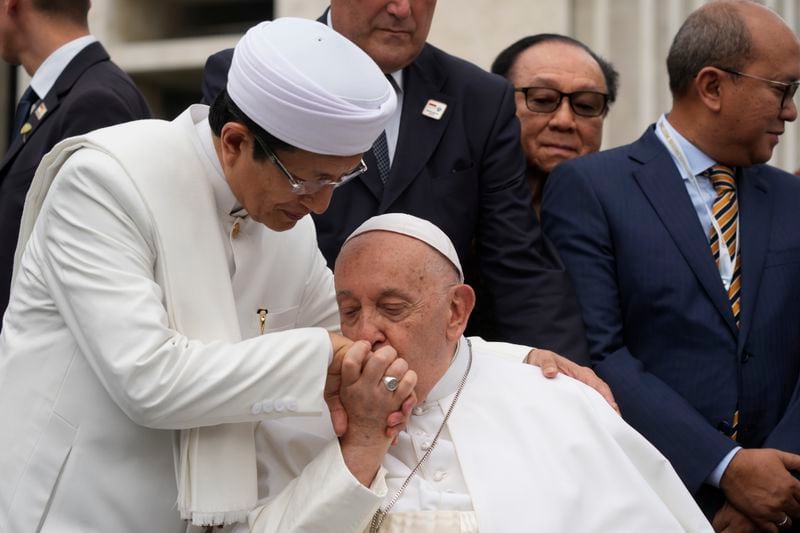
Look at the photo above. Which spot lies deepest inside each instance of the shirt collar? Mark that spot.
(448, 384)
(226, 202)
(698, 161)
(48, 72)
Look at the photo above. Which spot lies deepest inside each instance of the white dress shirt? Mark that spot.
(48, 72)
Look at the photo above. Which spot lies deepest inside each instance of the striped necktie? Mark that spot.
(726, 212)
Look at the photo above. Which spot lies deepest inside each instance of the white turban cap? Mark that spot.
(416, 228)
(310, 87)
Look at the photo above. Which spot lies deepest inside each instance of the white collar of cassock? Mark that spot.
(223, 196)
(448, 384)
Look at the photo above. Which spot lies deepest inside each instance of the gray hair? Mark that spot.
(714, 35)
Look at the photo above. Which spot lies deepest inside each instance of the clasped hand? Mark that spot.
(360, 404)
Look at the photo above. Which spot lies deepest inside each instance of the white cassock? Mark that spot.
(519, 453)
(91, 373)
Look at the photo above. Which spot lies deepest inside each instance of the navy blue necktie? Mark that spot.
(381, 151)
(381, 147)
(29, 97)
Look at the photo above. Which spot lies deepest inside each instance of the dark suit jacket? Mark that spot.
(91, 93)
(465, 173)
(658, 319)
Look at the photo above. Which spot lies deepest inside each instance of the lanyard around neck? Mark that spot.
(726, 262)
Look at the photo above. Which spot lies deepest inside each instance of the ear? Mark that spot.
(709, 86)
(462, 302)
(234, 142)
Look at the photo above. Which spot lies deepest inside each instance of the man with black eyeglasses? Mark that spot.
(563, 91)
(684, 250)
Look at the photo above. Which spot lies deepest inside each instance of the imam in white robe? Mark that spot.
(95, 368)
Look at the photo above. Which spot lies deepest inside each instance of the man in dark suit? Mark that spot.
(684, 251)
(452, 155)
(75, 88)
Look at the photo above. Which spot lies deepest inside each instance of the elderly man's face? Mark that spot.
(389, 292)
(550, 138)
(262, 188)
(392, 33)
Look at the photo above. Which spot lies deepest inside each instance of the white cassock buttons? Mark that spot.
(291, 404)
(439, 475)
(418, 411)
(426, 445)
(266, 406)
(256, 409)
(280, 406)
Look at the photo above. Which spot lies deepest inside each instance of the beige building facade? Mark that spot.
(163, 44)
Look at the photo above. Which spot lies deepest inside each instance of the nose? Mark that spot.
(368, 329)
(789, 111)
(563, 118)
(399, 8)
(319, 201)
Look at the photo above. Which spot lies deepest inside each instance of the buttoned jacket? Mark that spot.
(96, 366)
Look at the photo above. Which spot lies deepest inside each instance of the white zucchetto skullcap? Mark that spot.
(310, 87)
(417, 228)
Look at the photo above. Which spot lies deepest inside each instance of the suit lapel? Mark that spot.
(419, 134)
(755, 219)
(662, 184)
(87, 57)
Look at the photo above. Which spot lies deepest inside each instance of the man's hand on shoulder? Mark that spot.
(758, 482)
(552, 364)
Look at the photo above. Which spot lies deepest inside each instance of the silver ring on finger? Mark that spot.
(391, 383)
(786, 522)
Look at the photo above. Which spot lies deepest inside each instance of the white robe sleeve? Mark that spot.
(653, 467)
(324, 497)
(94, 246)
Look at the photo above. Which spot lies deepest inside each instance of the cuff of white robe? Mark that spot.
(338, 490)
(715, 476)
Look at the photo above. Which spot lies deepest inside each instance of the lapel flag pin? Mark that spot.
(41, 109)
(434, 109)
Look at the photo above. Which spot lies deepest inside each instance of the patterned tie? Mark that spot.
(381, 151)
(29, 97)
(381, 147)
(726, 212)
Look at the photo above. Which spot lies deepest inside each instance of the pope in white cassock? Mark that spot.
(165, 270)
(492, 447)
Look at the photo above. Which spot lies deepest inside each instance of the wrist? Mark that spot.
(363, 458)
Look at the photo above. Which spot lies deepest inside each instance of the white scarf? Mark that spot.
(215, 466)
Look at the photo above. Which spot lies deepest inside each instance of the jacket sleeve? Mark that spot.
(574, 218)
(324, 497)
(530, 296)
(97, 252)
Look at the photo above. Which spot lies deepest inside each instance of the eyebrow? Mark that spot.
(385, 293)
(544, 81)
